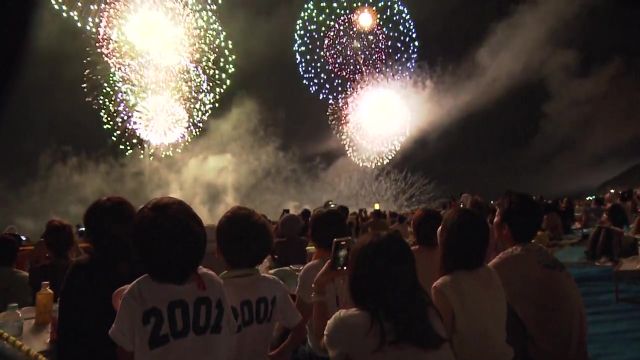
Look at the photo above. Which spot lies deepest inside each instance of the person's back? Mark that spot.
(393, 317)
(59, 240)
(552, 224)
(178, 309)
(155, 319)
(14, 283)
(290, 251)
(325, 226)
(479, 306)
(357, 336)
(86, 312)
(546, 316)
(469, 295)
(289, 248)
(546, 299)
(258, 302)
(427, 265)
(425, 226)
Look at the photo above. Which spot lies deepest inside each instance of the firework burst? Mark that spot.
(338, 42)
(168, 64)
(373, 120)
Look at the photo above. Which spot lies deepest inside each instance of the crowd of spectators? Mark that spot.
(468, 280)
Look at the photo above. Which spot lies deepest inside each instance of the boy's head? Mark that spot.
(170, 240)
(244, 238)
(326, 225)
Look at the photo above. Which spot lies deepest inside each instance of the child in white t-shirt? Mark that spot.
(258, 302)
(178, 310)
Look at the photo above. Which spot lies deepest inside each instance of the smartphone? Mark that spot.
(286, 211)
(376, 206)
(340, 253)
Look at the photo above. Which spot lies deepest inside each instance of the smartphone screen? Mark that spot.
(340, 253)
(376, 206)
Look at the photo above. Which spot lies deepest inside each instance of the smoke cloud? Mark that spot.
(235, 162)
(590, 111)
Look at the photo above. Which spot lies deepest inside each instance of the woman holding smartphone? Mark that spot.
(393, 317)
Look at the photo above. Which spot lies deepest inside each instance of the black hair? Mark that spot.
(378, 214)
(522, 214)
(305, 214)
(325, 226)
(344, 210)
(383, 282)
(9, 247)
(58, 238)
(464, 240)
(170, 240)
(109, 224)
(244, 238)
(617, 215)
(480, 206)
(425, 226)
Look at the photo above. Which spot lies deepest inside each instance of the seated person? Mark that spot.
(258, 302)
(427, 253)
(469, 294)
(378, 223)
(592, 215)
(59, 240)
(289, 248)
(606, 241)
(14, 283)
(393, 317)
(178, 309)
(402, 226)
(325, 226)
(86, 312)
(552, 223)
(546, 318)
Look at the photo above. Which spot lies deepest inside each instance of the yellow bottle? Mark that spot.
(44, 305)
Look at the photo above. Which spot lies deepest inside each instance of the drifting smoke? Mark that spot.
(515, 51)
(569, 152)
(236, 162)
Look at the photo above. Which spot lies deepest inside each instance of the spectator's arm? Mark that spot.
(295, 338)
(321, 313)
(289, 317)
(444, 307)
(320, 318)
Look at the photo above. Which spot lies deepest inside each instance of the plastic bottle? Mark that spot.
(44, 305)
(11, 321)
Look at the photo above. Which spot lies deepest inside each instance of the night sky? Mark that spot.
(567, 123)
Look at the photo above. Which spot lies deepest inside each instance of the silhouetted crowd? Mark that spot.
(467, 280)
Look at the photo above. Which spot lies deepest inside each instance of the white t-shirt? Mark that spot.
(479, 314)
(349, 335)
(165, 321)
(337, 297)
(258, 302)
